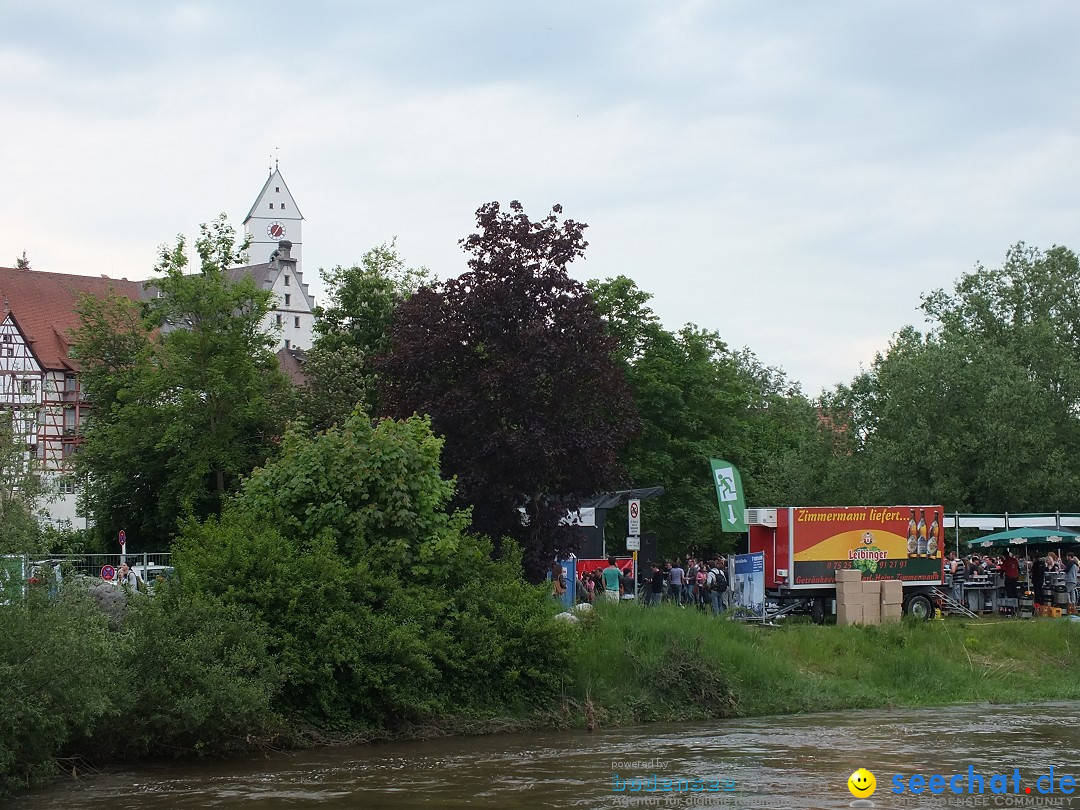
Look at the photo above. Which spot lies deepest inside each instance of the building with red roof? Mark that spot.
(39, 385)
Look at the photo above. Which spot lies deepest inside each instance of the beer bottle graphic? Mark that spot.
(922, 533)
(932, 543)
(912, 538)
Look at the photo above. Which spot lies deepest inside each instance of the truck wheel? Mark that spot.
(919, 606)
(817, 610)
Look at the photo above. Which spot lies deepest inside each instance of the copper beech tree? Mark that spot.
(512, 363)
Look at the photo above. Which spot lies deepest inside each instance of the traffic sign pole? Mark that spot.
(633, 517)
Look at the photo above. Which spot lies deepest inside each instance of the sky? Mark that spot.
(791, 174)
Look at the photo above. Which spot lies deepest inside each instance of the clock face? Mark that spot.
(275, 230)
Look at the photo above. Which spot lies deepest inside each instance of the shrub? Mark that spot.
(197, 678)
(383, 610)
(59, 673)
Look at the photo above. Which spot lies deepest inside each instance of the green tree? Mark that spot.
(691, 401)
(795, 450)
(699, 400)
(980, 412)
(186, 392)
(22, 492)
(351, 329)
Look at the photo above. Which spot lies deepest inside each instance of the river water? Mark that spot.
(774, 762)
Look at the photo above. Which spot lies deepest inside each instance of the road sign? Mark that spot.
(123, 537)
(729, 494)
(108, 572)
(633, 543)
(633, 512)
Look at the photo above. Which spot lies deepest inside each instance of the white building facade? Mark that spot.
(274, 226)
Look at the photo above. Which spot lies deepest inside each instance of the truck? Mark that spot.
(804, 546)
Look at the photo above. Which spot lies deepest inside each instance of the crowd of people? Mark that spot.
(1015, 570)
(700, 583)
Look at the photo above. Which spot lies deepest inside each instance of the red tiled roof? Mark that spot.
(44, 305)
(291, 362)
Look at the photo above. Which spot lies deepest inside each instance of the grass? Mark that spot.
(634, 665)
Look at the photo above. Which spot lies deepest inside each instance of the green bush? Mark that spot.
(60, 672)
(197, 678)
(383, 610)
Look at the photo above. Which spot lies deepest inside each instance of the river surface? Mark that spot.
(774, 762)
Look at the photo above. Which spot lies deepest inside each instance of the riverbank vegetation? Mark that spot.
(192, 674)
(671, 664)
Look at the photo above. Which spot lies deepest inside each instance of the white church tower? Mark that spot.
(274, 217)
(274, 224)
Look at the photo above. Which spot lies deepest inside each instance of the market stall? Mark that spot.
(985, 591)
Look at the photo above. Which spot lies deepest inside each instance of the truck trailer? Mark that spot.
(804, 546)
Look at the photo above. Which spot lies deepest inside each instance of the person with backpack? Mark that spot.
(716, 585)
(125, 576)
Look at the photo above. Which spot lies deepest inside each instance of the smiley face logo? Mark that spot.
(862, 784)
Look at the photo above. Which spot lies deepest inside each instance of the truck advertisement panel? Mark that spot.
(884, 542)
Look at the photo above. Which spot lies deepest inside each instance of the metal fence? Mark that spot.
(148, 564)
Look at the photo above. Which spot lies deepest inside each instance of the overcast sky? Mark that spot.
(792, 174)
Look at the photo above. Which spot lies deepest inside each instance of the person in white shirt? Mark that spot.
(125, 576)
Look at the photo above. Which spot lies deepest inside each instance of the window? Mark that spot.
(296, 321)
(277, 189)
(7, 338)
(271, 205)
(287, 344)
(288, 298)
(283, 206)
(69, 449)
(277, 318)
(69, 383)
(27, 387)
(286, 281)
(66, 486)
(10, 351)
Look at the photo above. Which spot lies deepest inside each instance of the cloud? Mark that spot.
(792, 174)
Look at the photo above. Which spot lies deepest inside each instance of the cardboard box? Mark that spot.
(871, 613)
(848, 614)
(848, 575)
(891, 613)
(872, 588)
(892, 592)
(849, 593)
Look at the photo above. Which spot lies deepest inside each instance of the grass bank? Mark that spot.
(639, 665)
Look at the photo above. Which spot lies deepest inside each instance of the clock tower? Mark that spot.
(272, 218)
(273, 224)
